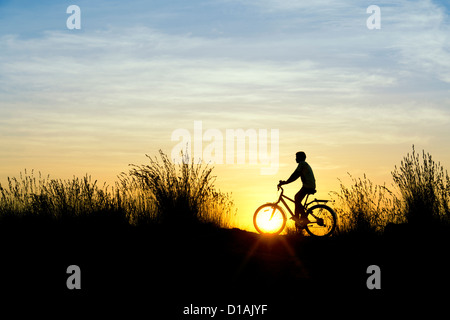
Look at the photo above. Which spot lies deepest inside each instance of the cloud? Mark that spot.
(141, 66)
(321, 76)
(145, 61)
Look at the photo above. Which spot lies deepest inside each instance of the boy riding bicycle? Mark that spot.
(305, 172)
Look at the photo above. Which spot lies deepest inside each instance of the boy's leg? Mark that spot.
(299, 211)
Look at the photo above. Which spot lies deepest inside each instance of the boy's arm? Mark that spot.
(294, 176)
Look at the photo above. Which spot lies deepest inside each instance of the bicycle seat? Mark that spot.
(312, 191)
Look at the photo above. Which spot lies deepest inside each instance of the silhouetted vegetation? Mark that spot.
(424, 186)
(365, 207)
(175, 193)
(419, 196)
(56, 198)
(161, 192)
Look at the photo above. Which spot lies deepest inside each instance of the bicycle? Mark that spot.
(271, 219)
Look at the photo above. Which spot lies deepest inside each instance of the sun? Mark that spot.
(269, 219)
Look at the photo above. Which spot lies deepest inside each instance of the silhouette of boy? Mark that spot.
(305, 172)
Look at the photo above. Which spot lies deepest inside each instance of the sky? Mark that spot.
(95, 99)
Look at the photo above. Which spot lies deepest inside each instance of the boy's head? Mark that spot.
(300, 156)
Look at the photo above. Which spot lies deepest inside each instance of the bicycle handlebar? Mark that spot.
(279, 187)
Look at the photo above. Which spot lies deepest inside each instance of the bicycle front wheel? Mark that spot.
(269, 219)
(323, 221)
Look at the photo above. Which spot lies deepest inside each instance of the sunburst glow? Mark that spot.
(269, 219)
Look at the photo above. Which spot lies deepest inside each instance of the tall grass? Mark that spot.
(365, 207)
(420, 196)
(42, 196)
(425, 189)
(181, 193)
(160, 192)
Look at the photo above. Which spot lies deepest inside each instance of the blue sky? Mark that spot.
(95, 99)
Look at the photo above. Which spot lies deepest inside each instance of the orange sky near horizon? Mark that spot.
(248, 188)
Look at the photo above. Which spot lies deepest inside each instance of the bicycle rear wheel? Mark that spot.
(323, 221)
(269, 219)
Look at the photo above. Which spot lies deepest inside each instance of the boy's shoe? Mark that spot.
(300, 222)
(296, 220)
(303, 222)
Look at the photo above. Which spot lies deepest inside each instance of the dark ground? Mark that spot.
(155, 272)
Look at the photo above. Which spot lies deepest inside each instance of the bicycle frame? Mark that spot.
(305, 203)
